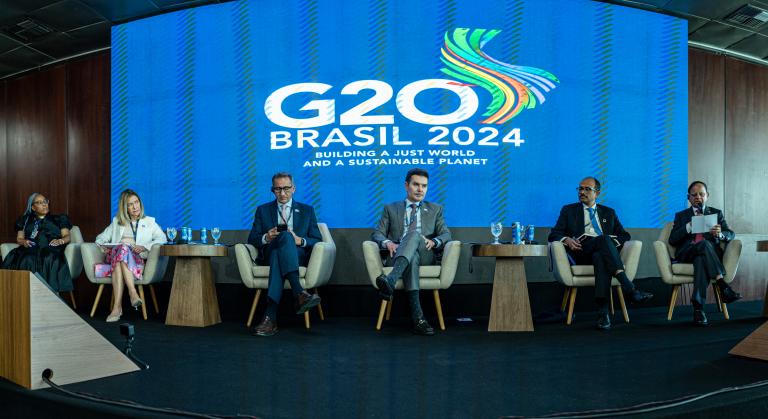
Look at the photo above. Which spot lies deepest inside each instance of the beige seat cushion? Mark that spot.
(263, 271)
(682, 269)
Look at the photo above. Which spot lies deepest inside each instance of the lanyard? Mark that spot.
(285, 207)
(135, 230)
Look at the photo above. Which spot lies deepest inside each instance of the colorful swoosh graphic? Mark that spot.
(512, 87)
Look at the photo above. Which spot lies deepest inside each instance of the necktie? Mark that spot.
(698, 237)
(283, 208)
(593, 220)
(412, 223)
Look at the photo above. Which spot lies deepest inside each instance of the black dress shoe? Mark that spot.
(267, 327)
(305, 301)
(385, 288)
(700, 318)
(423, 328)
(638, 296)
(728, 295)
(603, 321)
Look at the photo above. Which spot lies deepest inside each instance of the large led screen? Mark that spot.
(507, 104)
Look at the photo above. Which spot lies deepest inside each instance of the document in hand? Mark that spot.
(703, 223)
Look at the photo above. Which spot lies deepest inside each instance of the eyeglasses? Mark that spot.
(284, 189)
(43, 202)
(586, 189)
(699, 194)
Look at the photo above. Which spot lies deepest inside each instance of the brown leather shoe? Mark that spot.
(267, 327)
(305, 301)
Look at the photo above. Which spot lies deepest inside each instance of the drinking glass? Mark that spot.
(215, 233)
(171, 233)
(496, 232)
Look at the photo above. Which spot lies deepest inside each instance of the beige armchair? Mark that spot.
(71, 252)
(431, 277)
(154, 269)
(315, 274)
(677, 274)
(575, 276)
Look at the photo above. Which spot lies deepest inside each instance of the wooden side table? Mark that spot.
(510, 304)
(193, 299)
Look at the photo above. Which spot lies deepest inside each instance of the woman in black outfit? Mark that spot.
(42, 238)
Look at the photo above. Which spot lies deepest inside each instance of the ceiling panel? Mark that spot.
(755, 45)
(67, 15)
(122, 10)
(719, 35)
(8, 43)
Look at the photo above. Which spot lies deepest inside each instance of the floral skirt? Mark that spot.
(123, 253)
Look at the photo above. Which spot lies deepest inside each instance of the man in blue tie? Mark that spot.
(702, 250)
(410, 231)
(284, 231)
(593, 235)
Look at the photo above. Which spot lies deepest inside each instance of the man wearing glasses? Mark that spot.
(410, 231)
(702, 249)
(592, 235)
(284, 231)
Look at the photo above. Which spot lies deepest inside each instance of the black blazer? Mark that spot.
(570, 223)
(304, 223)
(681, 239)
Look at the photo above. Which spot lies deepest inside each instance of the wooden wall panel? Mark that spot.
(88, 144)
(6, 229)
(36, 140)
(746, 141)
(706, 123)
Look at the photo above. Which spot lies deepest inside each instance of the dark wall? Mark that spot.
(55, 139)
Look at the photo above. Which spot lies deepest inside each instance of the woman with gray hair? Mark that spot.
(42, 237)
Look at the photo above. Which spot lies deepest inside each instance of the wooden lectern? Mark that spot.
(39, 331)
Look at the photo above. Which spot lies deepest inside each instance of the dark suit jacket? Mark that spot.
(304, 224)
(570, 223)
(682, 240)
(391, 225)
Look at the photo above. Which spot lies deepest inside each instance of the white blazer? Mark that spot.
(148, 233)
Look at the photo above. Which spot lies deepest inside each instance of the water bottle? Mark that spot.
(203, 235)
(529, 233)
(516, 233)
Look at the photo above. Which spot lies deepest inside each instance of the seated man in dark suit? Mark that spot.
(703, 250)
(410, 230)
(592, 235)
(284, 231)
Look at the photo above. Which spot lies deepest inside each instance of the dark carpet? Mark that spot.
(343, 368)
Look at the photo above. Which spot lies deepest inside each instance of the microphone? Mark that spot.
(699, 209)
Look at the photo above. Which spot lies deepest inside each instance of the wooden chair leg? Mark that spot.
(718, 299)
(610, 295)
(72, 298)
(672, 301)
(253, 307)
(382, 309)
(96, 301)
(623, 305)
(306, 319)
(389, 307)
(439, 308)
(569, 318)
(143, 306)
(566, 294)
(154, 298)
(320, 307)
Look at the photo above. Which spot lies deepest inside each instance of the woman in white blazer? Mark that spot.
(127, 241)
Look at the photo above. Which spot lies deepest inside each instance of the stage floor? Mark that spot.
(343, 368)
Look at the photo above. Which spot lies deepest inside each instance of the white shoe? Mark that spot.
(113, 318)
(137, 303)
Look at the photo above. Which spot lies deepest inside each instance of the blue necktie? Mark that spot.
(593, 220)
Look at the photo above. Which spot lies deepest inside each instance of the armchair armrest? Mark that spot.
(450, 261)
(630, 256)
(245, 263)
(663, 260)
(155, 266)
(320, 265)
(74, 259)
(561, 266)
(6, 248)
(731, 259)
(92, 255)
(373, 263)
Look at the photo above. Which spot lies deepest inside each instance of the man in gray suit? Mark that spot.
(410, 230)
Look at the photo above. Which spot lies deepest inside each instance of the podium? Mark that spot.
(38, 331)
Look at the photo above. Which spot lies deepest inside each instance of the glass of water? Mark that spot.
(496, 229)
(216, 233)
(171, 234)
